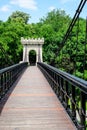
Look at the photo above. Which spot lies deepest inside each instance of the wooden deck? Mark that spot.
(32, 105)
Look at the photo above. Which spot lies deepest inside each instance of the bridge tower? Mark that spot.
(32, 44)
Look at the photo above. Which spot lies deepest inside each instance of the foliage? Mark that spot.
(76, 49)
(19, 16)
(53, 28)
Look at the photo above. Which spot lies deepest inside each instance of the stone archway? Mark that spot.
(32, 44)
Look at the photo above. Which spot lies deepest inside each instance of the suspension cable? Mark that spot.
(76, 53)
(78, 11)
(68, 35)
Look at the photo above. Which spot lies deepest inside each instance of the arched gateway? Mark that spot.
(32, 44)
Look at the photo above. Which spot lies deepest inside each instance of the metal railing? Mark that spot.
(8, 76)
(71, 91)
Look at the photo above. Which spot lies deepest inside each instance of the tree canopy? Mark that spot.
(53, 28)
(19, 16)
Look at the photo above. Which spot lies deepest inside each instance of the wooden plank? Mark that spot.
(32, 105)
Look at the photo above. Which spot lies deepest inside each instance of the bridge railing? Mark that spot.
(8, 76)
(71, 91)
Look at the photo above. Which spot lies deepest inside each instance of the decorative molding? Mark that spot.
(32, 41)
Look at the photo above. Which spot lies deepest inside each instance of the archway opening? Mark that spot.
(32, 57)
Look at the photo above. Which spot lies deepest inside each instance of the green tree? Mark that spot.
(72, 57)
(53, 28)
(19, 16)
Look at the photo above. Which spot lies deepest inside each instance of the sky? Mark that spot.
(38, 8)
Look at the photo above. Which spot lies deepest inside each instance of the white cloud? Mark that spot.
(51, 8)
(5, 8)
(27, 4)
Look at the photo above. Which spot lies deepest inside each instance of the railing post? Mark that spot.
(5, 82)
(83, 111)
(55, 87)
(66, 98)
(52, 83)
(73, 103)
(58, 87)
(61, 90)
(1, 86)
(10, 78)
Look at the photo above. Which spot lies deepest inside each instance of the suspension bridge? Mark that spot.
(42, 96)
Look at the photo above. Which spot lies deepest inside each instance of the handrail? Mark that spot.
(71, 91)
(71, 78)
(8, 76)
(12, 67)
